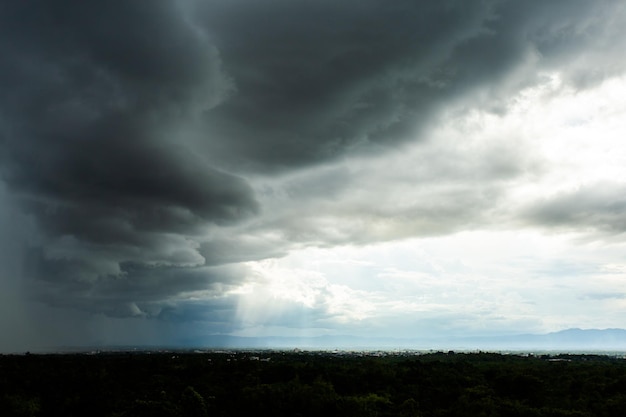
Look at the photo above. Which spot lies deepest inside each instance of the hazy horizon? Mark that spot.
(178, 169)
(576, 341)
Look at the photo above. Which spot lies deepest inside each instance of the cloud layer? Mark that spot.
(156, 152)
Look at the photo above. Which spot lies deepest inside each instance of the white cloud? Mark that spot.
(432, 238)
(469, 283)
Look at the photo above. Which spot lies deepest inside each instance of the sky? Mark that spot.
(176, 169)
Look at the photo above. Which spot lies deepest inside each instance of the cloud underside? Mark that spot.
(158, 149)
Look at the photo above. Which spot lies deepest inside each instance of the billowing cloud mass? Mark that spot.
(182, 168)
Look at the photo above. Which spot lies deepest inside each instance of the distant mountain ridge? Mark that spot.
(570, 339)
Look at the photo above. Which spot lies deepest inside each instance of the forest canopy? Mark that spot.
(241, 383)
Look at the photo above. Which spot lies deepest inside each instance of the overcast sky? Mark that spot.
(172, 169)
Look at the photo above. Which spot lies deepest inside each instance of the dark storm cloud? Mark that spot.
(106, 56)
(317, 79)
(241, 248)
(14, 235)
(110, 185)
(93, 98)
(139, 290)
(130, 131)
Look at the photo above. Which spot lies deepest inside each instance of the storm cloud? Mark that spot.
(94, 97)
(316, 80)
(153, 150)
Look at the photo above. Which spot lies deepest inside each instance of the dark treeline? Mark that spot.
(311, 384)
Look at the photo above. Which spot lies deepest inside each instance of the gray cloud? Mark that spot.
(16, 232)
(596, 208)
(94, 97)
(434, 188)
(137, 290)
(153, 144)
(317, 80)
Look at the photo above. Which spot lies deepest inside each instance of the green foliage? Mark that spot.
(193, 404)
(18, 405)
(311, 384)
(148, 408)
